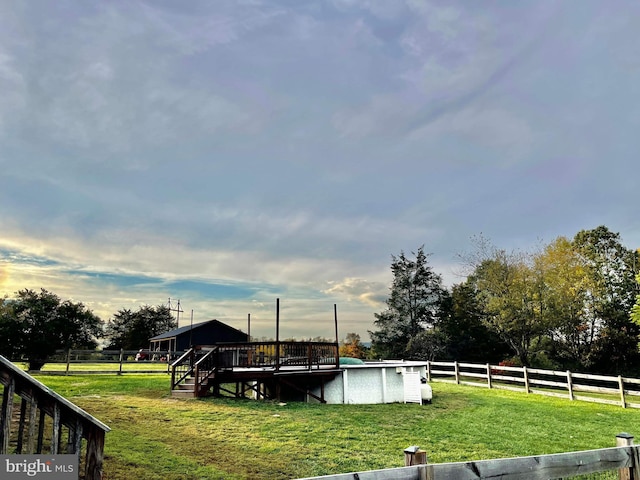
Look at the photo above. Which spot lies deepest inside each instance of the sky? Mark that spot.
(227, 154)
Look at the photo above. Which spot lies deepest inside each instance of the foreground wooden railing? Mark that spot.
(624, 458)
(612, 390)
(37, 403)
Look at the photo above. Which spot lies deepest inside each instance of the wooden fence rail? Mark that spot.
(43, 417)
(623, 458)
(69, 362)
(613, 390)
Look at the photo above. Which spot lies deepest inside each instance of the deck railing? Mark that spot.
(278, 355)
(37, 402)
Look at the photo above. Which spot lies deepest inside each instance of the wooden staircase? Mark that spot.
(193, 373)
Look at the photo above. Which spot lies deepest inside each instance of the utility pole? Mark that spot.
(176, 309)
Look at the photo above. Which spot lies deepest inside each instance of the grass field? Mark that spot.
(155, 436)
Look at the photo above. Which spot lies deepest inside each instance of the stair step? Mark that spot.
(182, 393)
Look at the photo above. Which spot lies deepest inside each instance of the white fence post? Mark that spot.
(569, 385)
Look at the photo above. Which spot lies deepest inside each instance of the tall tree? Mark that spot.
(510, 294)
(566, 293)
(415, 303)
(635, 310)
(611, 267)
(36, 324)
(132, 330)
(465, 334)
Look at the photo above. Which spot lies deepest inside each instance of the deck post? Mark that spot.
(630, 473)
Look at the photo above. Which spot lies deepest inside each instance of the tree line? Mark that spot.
(572, 304)
(34, 324)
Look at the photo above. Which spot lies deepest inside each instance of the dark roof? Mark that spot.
(185, 329)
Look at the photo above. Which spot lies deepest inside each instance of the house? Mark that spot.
(205, 333)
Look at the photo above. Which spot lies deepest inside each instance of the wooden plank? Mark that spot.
(546, 383)
(589, 376)
(604, 401)
(31, 436)
(95, 454)
(505, 368)
(546, 372)
(23, 415)
(473, 374)
(416, 472)
(508, 387)
(472, 365)
(449, 373)
(549, 394)
(506, 378)
(55, 433)
(592, 389)
(474, 384)
(536, 467)
(5, 415)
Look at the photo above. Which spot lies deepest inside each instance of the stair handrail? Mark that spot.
(190, 355)
(208, 364)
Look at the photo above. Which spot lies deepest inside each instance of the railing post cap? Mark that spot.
(412, 449)
(624, 435)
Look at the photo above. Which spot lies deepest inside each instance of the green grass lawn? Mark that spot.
(155, 436)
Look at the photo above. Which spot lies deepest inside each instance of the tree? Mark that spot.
(635, 310)
(34, 325)
(611, 267)
(509, 291)
(465, 334)
(567, 286)
(352, 347)
(415, 303)
(132, 330)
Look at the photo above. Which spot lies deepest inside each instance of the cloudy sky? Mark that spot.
(229, 153)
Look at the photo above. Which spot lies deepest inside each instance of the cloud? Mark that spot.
(371, 293)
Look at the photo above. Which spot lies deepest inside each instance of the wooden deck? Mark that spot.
(261, 370)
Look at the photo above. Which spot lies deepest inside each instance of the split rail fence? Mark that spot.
(618, 462)
(87, 362)
(612, 390)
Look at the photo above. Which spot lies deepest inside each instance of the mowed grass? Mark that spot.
(155, 436)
